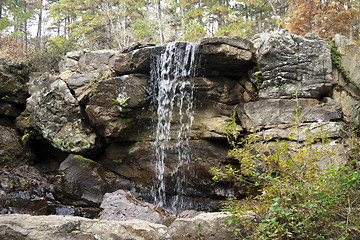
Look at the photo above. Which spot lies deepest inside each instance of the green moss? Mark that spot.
(81, 158)
(258, 79)
(118, 161)
(96, 82)
(230, 129)
(133, 149)
(336, 61)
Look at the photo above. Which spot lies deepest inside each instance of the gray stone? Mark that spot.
(303, 131)
(12, 151)
(293, 65)
(68, 64)
(56, 114)
(270, 112)
(36, 84)
(101, 60)
(350, 105)
(347, 94)
(9, 110)
(351, 58)
(116, 106)
(122, 205)
(13, 79)
(135, 61)
(15, 227)
(85, 84)
(220, 59)
(219, 89)
(84, 179)
(209, 226)
(234, 41)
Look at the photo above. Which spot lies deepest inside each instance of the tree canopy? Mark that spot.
(40, 25)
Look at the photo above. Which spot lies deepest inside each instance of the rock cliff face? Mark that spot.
(90, 130)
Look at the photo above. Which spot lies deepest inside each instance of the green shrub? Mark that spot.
(298, 199)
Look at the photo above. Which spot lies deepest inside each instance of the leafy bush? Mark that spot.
(299, 198)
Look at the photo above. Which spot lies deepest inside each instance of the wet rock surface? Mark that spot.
(124, 160)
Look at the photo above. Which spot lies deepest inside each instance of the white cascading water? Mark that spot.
(171, 73)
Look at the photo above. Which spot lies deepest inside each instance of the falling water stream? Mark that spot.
(171, 73)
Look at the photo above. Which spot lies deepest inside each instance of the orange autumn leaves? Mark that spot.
(322, 18)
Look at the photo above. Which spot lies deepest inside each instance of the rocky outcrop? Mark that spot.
(58, 117)
(226, 56)
(24, 190)
(347, 93)
(14, 77)
(200, 187)
(12, 151)
(117, 107)
(67, 227)
(94, 122)
(123, 205)
(86, 181)
(293, 65)
(272, 112)
(204, 226)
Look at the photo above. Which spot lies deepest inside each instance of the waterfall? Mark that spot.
(171, 72)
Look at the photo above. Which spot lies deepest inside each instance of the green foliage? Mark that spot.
(48, 59)
(336, 61)
(230, 129)
(258, 79)
(122, 103)
(298, 198)
(118, 161)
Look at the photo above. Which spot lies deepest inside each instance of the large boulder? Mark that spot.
(210, 226)
(58, 117)
(85, 180)
(13, 79)
(272, 112)
(229, 56)
(123, 205)
(135, 61)
(12, 150)
(117, 106)
(70, 62)
(100, 60)
(351, 57)
(293, 65)
(88, 61)
(347, 93)
(85, 84)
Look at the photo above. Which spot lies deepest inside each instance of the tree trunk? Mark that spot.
(25, 30)
(1, 6)
(39, 29)
(182, 17)
(160, 21)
